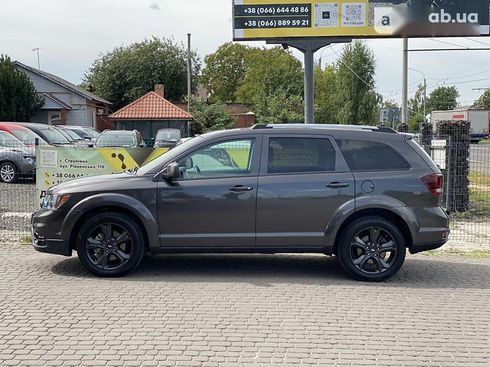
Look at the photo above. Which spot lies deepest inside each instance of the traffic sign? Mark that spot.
(269, 19)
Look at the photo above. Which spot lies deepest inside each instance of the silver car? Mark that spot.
(16, 159)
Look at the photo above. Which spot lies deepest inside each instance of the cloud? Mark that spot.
(155, 6)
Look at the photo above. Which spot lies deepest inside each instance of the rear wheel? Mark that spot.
(372, 249)
(110, 245)
(8, 172)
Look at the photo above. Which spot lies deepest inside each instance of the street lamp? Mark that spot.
(425, 90)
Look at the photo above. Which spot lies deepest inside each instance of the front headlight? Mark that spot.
(30, 160)
(54, 201)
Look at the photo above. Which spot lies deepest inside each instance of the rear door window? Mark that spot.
(372, 156)
(300, 155)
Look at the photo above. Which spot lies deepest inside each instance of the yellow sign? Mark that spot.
(277, 19)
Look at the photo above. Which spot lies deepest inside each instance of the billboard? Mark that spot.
(59, 164)
(276, 19)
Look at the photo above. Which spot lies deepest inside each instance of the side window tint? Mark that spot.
(372, 156)
(224, 159)
(299, 155)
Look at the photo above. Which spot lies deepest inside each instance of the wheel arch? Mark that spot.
(111, 203)
(397, 218)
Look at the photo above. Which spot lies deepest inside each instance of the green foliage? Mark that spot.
(358, 101)
(224, 71)
(273, 76)
(126, 73)
(210, 117)
(484, 101)
(18, 97)
(443, 99)
(414, 122)
(281, 109)
(390, 104)
(326, 100)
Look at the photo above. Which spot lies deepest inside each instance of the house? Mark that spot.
(150, 113)
(64, 102)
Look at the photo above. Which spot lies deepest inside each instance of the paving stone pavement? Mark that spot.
(230, 310)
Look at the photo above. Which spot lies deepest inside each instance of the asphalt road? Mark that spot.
(228, 310)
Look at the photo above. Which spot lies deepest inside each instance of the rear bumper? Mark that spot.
(444, 236)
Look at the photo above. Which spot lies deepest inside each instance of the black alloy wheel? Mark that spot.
(372, 249)
(110, 244)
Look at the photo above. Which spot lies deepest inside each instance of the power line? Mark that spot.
(353, 72)
(446, 43)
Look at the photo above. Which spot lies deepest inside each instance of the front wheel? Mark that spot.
(372, 249)
(110, 245)
(8, 172)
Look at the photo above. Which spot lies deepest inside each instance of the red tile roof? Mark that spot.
(151, 107)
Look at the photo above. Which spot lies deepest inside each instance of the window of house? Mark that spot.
(300, 155)
(372, 156)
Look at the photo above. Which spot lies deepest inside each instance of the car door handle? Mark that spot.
(338, 185)
(241, 188)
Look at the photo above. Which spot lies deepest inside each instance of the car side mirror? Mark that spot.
(90, 146)
(142, 145)
(172, 172)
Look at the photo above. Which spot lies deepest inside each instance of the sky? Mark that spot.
(71, 34)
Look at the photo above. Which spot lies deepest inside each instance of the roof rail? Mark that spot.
(383, 129)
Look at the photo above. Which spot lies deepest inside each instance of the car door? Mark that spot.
(213, 203)
(303, 181)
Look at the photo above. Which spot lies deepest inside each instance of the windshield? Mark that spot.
(9, 141)
(172, 135)
(54, 137)
(28, 137)
(70, 134)
(116, 139)
(91, 132)
(157, 164)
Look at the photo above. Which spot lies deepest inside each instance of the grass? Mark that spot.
(25, 240)
(479, 197)
(474, 254)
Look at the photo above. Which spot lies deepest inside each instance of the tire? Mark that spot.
(367, 260)
(8, 172)
(110, 245)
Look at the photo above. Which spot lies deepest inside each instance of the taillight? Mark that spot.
(434, 183)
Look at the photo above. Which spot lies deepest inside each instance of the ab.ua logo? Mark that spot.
(444, 17)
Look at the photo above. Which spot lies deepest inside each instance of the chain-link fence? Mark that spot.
(466, 170)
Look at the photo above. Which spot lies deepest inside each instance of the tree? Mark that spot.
(281, 109)
(358, 102)
(416, 104)
(484, 101)
(210, 117)
(443, 99)
(272, 75)
(18, 97)
(126, 73)
(326, 100)
(224, 71)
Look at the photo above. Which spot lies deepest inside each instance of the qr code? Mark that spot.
(354, 14)
(49, 159)
(326, 15)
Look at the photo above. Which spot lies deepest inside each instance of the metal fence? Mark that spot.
(466, 196)
(466, 169)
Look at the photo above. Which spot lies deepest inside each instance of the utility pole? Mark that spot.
(425, 90)
(405, 82)
(37, 49)
(189, 72)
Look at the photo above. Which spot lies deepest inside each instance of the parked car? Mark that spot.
(22, 133)
(83, 132)
(73, 138)
(49, 134)
(167, 138)
(120, 139)
(364, 194)
(16, 159)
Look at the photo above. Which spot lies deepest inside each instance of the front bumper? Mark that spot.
(46, 235)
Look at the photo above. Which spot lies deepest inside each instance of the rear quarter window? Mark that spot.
(372, 156)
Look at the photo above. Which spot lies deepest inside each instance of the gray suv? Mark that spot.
(363, 194)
